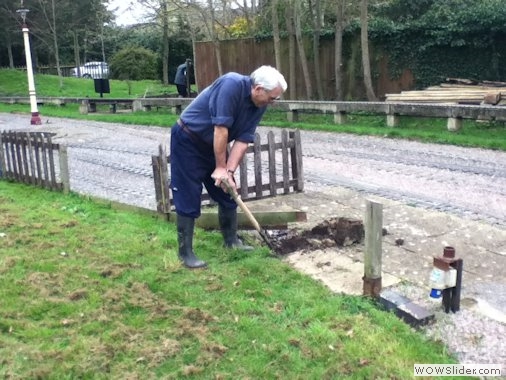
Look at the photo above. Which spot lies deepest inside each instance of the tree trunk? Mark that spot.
(275, 33)
(9, 51)
(214, 38)
(338, 49)
(55, 42)
(165, 43)
(302, 51)
(77, 58)
(316, 15)
(364, 40)
(292, 82)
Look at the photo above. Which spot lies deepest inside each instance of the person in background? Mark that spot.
(228, 111)
(180, 80)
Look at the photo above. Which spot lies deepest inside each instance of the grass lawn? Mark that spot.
(14, 83)
(91, 292)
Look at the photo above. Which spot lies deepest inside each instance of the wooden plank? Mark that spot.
(24, 138)
(257, 163)
(158, 183)
(267, 219)
(33, 174)
(43, 145)
(8, 156)
(50, 154)
(38, 159)
(296, 153)
(19, 163)
(272, 162)
(284, 155)
(3, 164)
(164, 178)
(243, 177)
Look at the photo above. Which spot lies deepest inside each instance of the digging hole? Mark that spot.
(330, 233)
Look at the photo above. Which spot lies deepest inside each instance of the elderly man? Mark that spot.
(229, 110)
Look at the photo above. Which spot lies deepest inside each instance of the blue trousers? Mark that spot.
(191, 164)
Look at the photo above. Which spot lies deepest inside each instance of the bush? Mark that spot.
(133, 63)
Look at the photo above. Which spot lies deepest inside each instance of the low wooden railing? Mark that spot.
(29, 157)
(283, 173)
(454, 113)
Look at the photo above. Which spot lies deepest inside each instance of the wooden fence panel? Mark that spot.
(29, 157)
(251, 171)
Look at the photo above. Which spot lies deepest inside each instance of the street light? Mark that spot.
(35, 120)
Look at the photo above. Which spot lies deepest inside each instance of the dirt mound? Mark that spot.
(330, 233)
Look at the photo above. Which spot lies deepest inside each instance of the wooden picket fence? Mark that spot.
(29, 157)
(284, 168)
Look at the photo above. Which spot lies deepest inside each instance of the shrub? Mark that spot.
(133, 63)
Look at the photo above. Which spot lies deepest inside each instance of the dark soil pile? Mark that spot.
(330, 233)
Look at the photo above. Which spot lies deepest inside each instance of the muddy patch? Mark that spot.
(330, 233)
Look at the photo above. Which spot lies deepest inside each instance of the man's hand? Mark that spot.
(219, 174)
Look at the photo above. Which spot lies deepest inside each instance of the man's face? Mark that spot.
(262, 97)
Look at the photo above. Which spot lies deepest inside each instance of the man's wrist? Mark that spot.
(230, 171)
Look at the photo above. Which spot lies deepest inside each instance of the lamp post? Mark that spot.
(35, 120)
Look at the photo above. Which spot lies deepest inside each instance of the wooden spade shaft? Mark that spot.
(248, 213)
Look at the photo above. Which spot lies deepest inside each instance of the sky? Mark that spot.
(126, 14)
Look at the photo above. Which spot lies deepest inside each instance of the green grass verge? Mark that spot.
(92, 292)
(14, 83)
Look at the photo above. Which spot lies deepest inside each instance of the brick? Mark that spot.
(391, 299)
(414, 315)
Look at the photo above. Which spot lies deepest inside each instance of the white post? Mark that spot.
(35, 120)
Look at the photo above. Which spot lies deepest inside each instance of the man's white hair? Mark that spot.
(269, 78)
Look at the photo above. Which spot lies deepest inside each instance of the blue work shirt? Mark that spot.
(226, 102)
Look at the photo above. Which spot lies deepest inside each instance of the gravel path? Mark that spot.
(112, 161)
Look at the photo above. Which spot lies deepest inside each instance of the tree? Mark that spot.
(364, 41)
(314, 6)
(338, 49)
(9, 27)
(292, 79)
(275, 33)
(300, 45)
(214, 36)
(133, 63)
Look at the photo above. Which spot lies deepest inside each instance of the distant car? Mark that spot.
(95, 70)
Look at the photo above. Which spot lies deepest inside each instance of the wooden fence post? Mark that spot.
(161, 179)
(373, 251)
(64, 168)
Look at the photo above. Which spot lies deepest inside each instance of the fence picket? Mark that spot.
(284, 157)
(257, 164)
(24, 158)
(296, 153)
(271, 148)
(19, 166)
(243, 177)
(37, 152)
(50, 153)
(31, 159)
(3, 166)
